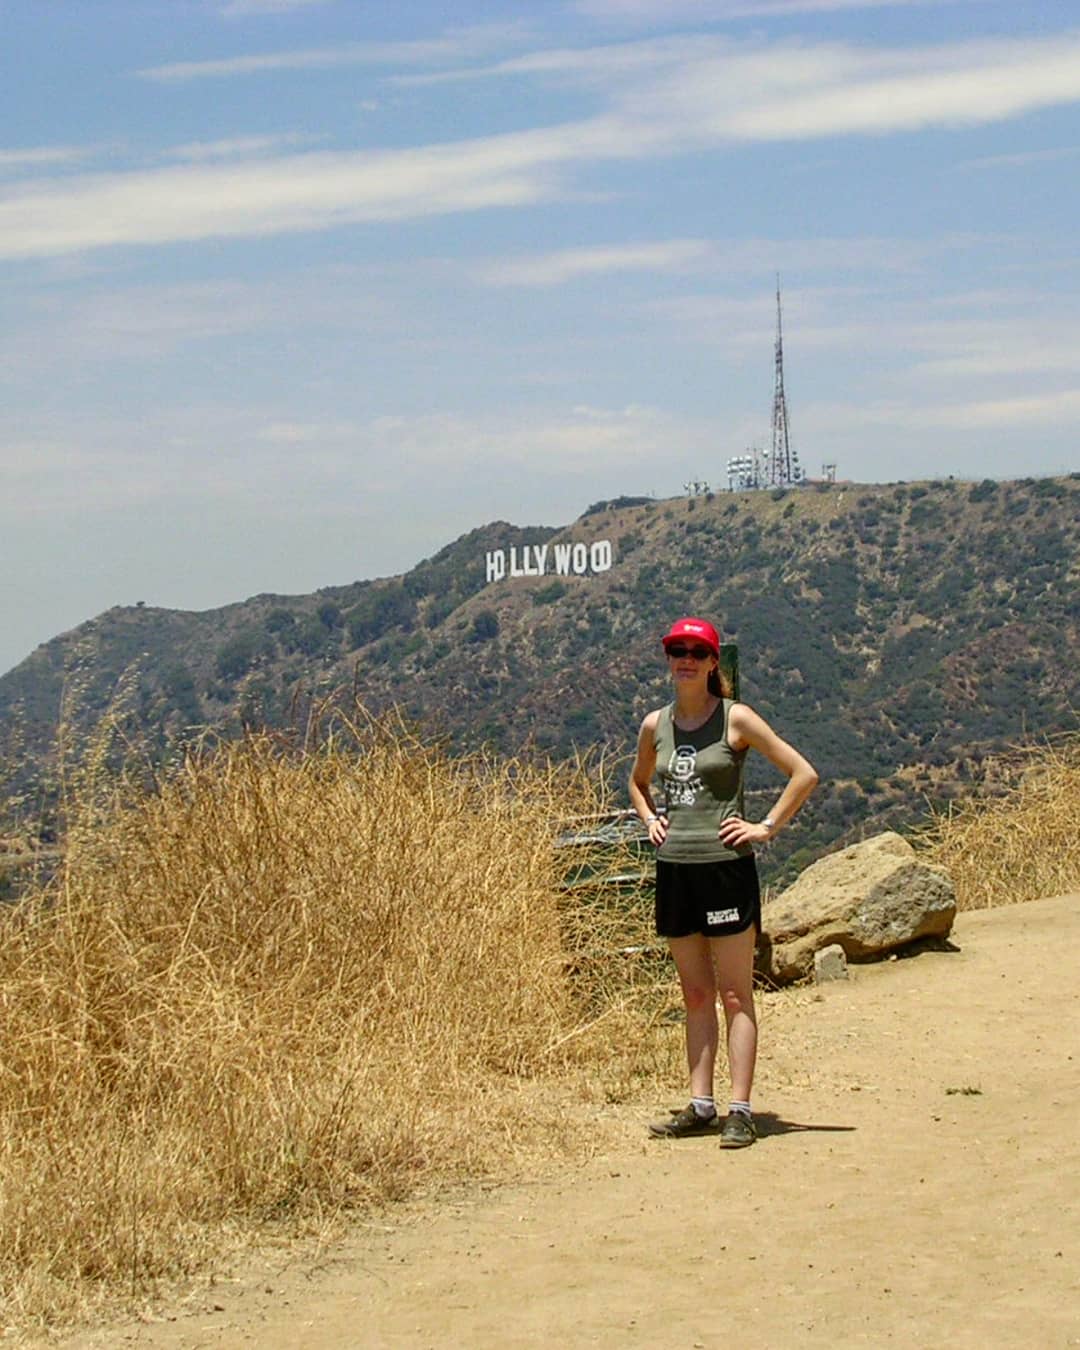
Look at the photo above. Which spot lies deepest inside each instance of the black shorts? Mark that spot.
(714, 898)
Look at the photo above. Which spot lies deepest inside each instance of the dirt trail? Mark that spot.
(883, 1205)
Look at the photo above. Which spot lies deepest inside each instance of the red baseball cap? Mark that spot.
(692, 630)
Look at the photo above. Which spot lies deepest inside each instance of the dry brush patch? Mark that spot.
(1019, 846)
(279, 987)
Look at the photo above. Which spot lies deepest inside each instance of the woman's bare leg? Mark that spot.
(733, 958)
(693, 961)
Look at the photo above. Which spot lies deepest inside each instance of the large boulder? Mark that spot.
(870, 899)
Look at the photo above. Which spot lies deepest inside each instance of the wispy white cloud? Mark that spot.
(552, 443)
(241, 9)
(707, 89)
(225, 455)
(587, 65)
(746, 93)
(213, 453)
(1022, 158)
(69, 475)
(461, 44)
(1022, 410)
(555, 268)
(698, 90)
(44, 156)
(761, 9)
(791, 92)
(310, 58)
(730, 258)
(978, 346)
(95, 326)
(955, 415)
(655, 11)
(997, 349)
(144, 322)
(291, 193)
(237, 147)
(307, 433)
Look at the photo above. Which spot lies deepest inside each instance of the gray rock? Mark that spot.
(870, 899)
(830, 964)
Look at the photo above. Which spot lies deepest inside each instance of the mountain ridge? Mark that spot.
(900, 634)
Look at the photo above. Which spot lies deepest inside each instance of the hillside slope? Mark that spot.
(898, 634)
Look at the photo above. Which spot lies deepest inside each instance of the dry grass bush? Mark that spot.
(1020, 846)
(628, 1041)
(279, 986)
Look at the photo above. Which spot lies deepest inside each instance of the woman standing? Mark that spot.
(708, 903)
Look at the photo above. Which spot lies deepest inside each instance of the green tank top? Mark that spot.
(701, 777)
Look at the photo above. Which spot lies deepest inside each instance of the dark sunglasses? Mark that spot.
(680, 652)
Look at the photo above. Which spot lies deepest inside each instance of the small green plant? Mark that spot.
(547, 595)
(485, 626)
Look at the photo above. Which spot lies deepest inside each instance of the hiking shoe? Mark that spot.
(737, 1131)
(684, 1122)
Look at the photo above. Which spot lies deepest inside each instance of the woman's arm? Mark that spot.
(641, 776)
(747, 728)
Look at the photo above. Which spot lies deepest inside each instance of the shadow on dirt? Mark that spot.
(769, 1124)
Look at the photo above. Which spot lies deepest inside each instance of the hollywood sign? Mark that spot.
(539, 560)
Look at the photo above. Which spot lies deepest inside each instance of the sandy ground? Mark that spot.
(917, 1183)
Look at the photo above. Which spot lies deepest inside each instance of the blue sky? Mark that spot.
(297, 291)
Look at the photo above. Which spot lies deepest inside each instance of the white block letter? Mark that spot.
(581, 558)
(496, 565)
(562, 559)
(600, 555)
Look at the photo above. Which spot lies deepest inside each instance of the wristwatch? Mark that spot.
(769, 824)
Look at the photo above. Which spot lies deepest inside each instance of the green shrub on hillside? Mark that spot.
(390, 606)
(178, 686)
(485, 626)
(241, 653)
(547, 595)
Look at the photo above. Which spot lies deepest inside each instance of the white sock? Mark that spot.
(704, 1106)
(743, 1108)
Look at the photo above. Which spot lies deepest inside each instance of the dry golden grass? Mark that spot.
(1020, 846)
(282, 986)
(285, 985)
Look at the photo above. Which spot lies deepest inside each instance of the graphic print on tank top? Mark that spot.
(685, 783)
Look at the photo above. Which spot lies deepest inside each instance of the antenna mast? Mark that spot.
(782, 468)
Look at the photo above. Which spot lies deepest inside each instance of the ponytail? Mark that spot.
(719, 683)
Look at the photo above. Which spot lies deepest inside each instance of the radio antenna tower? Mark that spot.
(782, 469)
